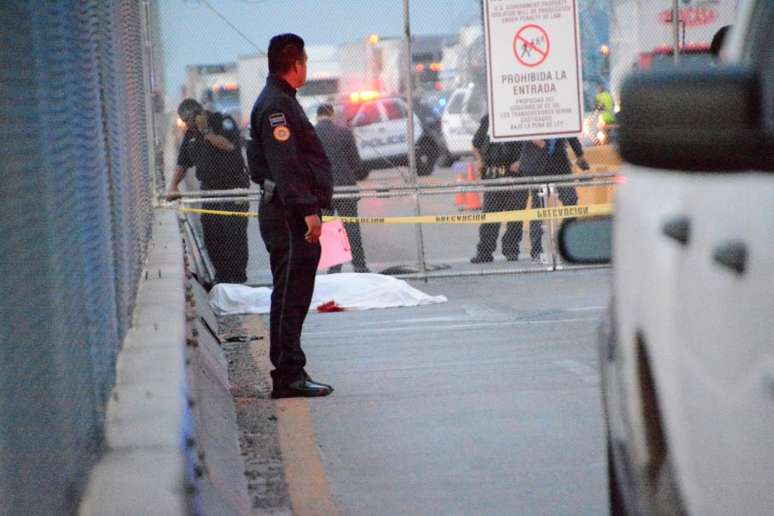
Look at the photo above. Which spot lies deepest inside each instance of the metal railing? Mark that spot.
(445, 247)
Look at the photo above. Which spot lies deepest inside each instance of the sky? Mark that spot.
(193, 34)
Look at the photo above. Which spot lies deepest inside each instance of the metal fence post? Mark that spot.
(412, 159)
(676, 29)
(149, 78)
(548, 193)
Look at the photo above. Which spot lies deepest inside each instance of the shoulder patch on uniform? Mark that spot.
(277, 119)
(281, 133)
(228, 124)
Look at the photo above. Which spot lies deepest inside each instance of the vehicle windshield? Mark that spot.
(476, 104)
(455, 104)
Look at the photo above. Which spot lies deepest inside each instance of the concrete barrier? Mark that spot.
(171, 439)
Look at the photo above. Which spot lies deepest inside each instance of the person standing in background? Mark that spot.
(495, 160)
(604, 103)
(554, 161)
(339, 144)
(211, 144)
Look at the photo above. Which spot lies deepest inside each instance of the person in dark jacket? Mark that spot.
(287, 159)
(211, 144)
(495, 160)
(549, 158)
(339, 144)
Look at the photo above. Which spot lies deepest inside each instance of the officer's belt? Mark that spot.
(495, 171)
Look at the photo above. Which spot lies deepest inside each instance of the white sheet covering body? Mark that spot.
(351, 291)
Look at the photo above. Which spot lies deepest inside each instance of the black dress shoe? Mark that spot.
(305, 388)
(486, 258)
(309, 379)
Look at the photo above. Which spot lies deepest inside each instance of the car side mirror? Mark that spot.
(695, 119)
(587, 240)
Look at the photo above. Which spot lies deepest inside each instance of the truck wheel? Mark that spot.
(427, 155)
(362, 173)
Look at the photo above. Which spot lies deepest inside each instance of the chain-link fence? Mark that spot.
(76, 215)
(413, 112)
(457, 239)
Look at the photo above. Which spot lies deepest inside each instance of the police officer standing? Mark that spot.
(286, 157)
(498, 160)
(339, 144)
(552, 161)
(211, 144)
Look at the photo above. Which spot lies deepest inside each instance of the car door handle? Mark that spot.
(732, 255)
(678, 228)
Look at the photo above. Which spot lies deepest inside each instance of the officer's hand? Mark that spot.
(539, 143)
(173, 194)
(313, 228)
(515, 166)
(582, 163)
(201, 122)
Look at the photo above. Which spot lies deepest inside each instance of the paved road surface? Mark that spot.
(488, 404)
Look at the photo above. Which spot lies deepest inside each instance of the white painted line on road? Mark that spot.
(450, 319)
(586, 309)
(465, 326)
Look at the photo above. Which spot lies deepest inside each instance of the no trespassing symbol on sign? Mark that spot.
(531, 45)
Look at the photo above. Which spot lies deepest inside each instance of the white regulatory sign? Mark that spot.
(534, 69)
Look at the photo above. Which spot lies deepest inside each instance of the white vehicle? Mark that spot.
(379, 63)
(687, 355)
(641, 29)
(380, 127)
(253, 71)
(461, 118)
(322, 81)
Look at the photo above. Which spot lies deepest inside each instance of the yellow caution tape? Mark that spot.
(563, 212)
(219, 212)
(557, 213)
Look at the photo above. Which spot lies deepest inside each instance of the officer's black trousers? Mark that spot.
(567, 195)
(348, 208)
(487, 233)
(293, 266)
(226, 240)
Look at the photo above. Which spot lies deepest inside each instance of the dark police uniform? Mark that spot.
(224, 236)
(496, 160)
(339, 144)
(285, 150)
(549, 161)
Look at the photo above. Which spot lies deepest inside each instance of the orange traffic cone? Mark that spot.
(472, 200)
(459, 197)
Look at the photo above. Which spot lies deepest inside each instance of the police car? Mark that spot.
(461, 119)
(687, 353)
(379, 125)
